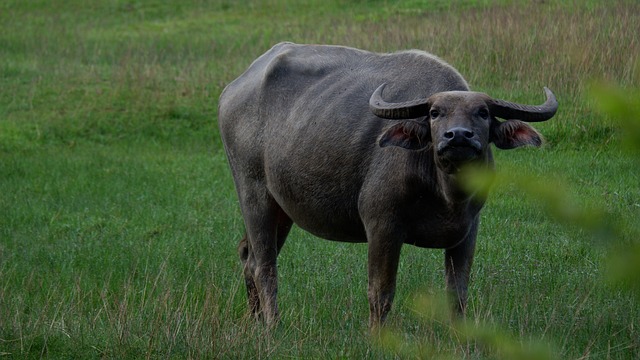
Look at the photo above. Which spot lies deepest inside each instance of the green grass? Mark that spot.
(119, 221)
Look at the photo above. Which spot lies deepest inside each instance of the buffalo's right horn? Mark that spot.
(530, 113)
(404, 110)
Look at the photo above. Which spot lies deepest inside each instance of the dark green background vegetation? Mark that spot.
(119, 221)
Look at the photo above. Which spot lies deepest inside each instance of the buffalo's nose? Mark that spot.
(458, 133)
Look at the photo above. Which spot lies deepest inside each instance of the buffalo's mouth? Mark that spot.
(462, 152)
(453, 157)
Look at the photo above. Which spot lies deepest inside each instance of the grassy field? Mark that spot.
(119, 221)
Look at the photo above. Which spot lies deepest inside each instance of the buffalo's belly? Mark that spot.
(330, 226)
(319, 208)
(440, 232)
(437, 241)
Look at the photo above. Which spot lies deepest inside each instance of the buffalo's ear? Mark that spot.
(514, 133)
(410, 135)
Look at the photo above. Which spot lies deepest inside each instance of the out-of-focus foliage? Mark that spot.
(481, 339)
(622, 106)
(553, 195)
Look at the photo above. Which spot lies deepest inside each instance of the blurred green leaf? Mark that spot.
(504, 346)
(624, 267)
(552, 195)
(394, 343)
(623, 106)
(432, 307)
(492, 341)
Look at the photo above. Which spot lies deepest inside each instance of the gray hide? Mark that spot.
(305, 147)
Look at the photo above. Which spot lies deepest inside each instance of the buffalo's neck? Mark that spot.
(441, 214)
(454, 187)
(452, 190)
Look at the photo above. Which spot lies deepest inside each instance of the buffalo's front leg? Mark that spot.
(384, 255)
(458, 262)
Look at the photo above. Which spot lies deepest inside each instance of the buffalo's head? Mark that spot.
(460, 125)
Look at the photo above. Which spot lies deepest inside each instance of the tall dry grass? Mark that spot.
(510, 50)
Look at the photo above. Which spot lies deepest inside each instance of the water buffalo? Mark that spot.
(307, 134)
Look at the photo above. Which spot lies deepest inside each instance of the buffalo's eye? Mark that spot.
(483, 113)
(434, 114)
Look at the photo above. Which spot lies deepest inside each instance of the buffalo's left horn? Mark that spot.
(404, 110)
(530, 113)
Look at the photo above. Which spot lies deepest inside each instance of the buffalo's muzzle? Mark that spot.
(459, 144)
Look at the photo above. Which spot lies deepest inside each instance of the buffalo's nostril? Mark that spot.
(459, 133)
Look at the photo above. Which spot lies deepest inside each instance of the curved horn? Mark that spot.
(404, 110)
(530, 113)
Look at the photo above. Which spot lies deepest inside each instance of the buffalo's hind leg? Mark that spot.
(266, 233)
(248, 267)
